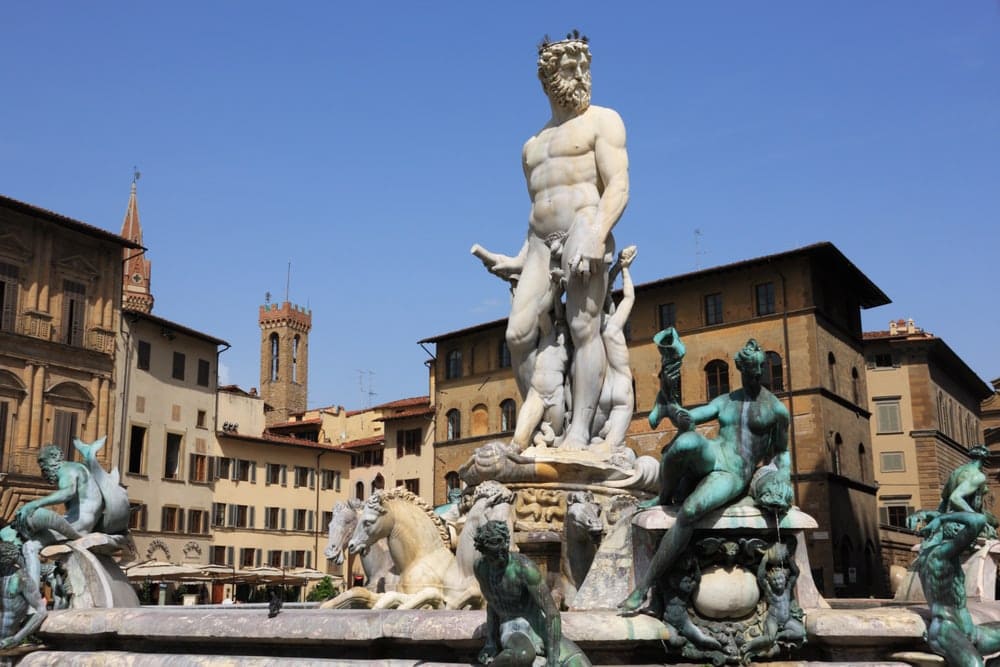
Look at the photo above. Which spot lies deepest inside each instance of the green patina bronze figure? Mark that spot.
(963, 492)
(951, 632)
(522, 620)
(706, 474)
(22, 608)
(94, 500)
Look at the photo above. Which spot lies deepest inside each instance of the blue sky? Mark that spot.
(371, 144)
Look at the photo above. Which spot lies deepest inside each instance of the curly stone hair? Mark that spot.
(10, 558)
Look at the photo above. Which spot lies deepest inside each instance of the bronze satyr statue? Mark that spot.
(522, 620)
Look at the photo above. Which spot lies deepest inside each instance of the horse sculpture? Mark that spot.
(379, 573)
(429, 576)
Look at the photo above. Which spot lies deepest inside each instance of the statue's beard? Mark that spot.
(569, 94)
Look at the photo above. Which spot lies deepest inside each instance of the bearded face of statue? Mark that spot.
(568, 83)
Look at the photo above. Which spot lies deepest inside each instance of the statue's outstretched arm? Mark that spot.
(540, 595)
(967, 487)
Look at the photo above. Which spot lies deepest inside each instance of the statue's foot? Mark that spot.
(632, 603)
(573, 444)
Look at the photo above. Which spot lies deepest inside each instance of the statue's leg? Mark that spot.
(584, 299)
(715, 490)
(31, 550)
(533, 286)
(528, 419)
(987, 638)
(43, 519)
(673, 465)
(949, 641)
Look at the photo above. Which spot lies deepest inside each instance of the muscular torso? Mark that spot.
(561, 170)
(82, 512)
(745, 429)
(507, 592)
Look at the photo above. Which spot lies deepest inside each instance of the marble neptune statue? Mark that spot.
(576, 168)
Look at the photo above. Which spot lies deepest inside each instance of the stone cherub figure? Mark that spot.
(522, 620)
(23, 607)
(94, 500)
(706, 474)
(682, 583)
(576, 169)
(951, 632)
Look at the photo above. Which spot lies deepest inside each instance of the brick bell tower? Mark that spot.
(284, 359)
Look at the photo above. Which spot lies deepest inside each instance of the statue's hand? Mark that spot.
(7, 642)
(499, 265)
(682, 420)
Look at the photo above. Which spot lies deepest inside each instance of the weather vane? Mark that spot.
(135, 174)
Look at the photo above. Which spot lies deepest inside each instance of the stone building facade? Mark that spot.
(925, 404)
(803, 306)
(60, 312)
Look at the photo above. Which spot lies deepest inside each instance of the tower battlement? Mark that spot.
(287, 314)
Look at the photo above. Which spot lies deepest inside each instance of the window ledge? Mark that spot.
(173, 480)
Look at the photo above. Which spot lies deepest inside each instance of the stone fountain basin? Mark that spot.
(173, 635)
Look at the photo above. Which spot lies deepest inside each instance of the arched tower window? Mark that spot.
(274, 357)
(503, 354)
(855, 385)
(716, 378)
(359, 490)
(295, 358)
(452, 481)
(861, 460)
(508, 414)
(837, 443)
(454, 418)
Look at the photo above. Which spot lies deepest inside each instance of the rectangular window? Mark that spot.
(713, 309)
(765, 298)
(218, 514)
(893, 462)
(895, 515)
(172, 457)
(298, 559)
(201, 419)
(197, 522)
(883, 360)
(271, 516)
(299, 520)
(8, 296)
(136, 445)
(887, 416)
(63, 432)
(412, 485)
(301, 476)
(178, 368)
(273, 472)
(222, 467)
(142, 356)
(666, 315)
(274, 557)
(327, 518)
(218, 556)
(198, 471)
(203, 372)
(137, 516)
(74, 310)
(171, 520)
(247, 557)
(326, 479)
(241, 516)
(243, 470)
(408, 441)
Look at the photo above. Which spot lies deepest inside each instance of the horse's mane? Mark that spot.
(377, 500)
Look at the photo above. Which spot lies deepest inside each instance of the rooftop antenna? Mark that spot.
(288, 279)
(267, 298)
(135, 174)
(698, 252)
